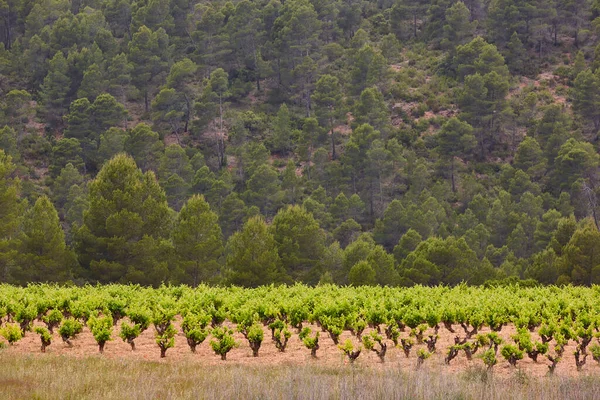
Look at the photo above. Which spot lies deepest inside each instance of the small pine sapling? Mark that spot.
(45, 337)
(512, 354)
(311, 342)
(195, 329)
(53, 319)
(407, 344)
(69, 328)
(223, 341)
(370, 341)
(12, 333)
(349, 350)
(422, 355)
(489, 358)
(101, 327)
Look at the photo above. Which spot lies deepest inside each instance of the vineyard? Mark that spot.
(547, 330)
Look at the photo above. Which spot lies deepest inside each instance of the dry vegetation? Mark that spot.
(92, 377)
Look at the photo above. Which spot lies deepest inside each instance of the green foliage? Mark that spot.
(45, 337)
(252, 258)
(197, 240)
(512, 354)
(310, 341)
(128, 211)
(223, 341)
(350, 351)
(69, 328)
(12, 333)
(101, 327)
(194, 328)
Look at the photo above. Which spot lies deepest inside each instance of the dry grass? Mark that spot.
(94, 377)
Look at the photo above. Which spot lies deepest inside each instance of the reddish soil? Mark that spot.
(328, 354)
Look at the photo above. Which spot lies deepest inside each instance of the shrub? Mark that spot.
(422, 355)
(53, 319)
(101, 327)
(512, 354)
(489, 358)
(129, 332)
(12, 333)
(349, 350)
(45, 337)
(407, 344)
(255, 336)
(69, 328)
(369, 342)
(195, 329)
(223, 341)
(311, 342)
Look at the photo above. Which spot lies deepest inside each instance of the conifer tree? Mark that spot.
(43, 254)
(55, 89)
(126, 227)
(198, 242)
(252, 258)
(10, 210)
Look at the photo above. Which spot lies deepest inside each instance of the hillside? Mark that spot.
(396, 142)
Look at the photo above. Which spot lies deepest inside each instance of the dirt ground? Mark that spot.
(329, 355)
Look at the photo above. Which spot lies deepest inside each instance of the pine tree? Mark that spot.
(455, 139)
(197, 240)
(252, 258)
(126, 227)
(145, 146)
(54, 90)
(282, 135)
(10, 211)
(43, 254)
(300, 243)
(328, 102)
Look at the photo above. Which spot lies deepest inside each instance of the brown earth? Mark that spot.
(328, 354)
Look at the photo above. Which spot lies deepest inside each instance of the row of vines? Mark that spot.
(546, 319)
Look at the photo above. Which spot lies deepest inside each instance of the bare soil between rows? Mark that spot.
(328, 355)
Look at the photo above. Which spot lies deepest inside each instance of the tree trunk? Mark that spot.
(452, 175)
(333, 155)
(163, 352)
(101, 347)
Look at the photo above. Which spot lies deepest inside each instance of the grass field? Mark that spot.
(95, 377)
